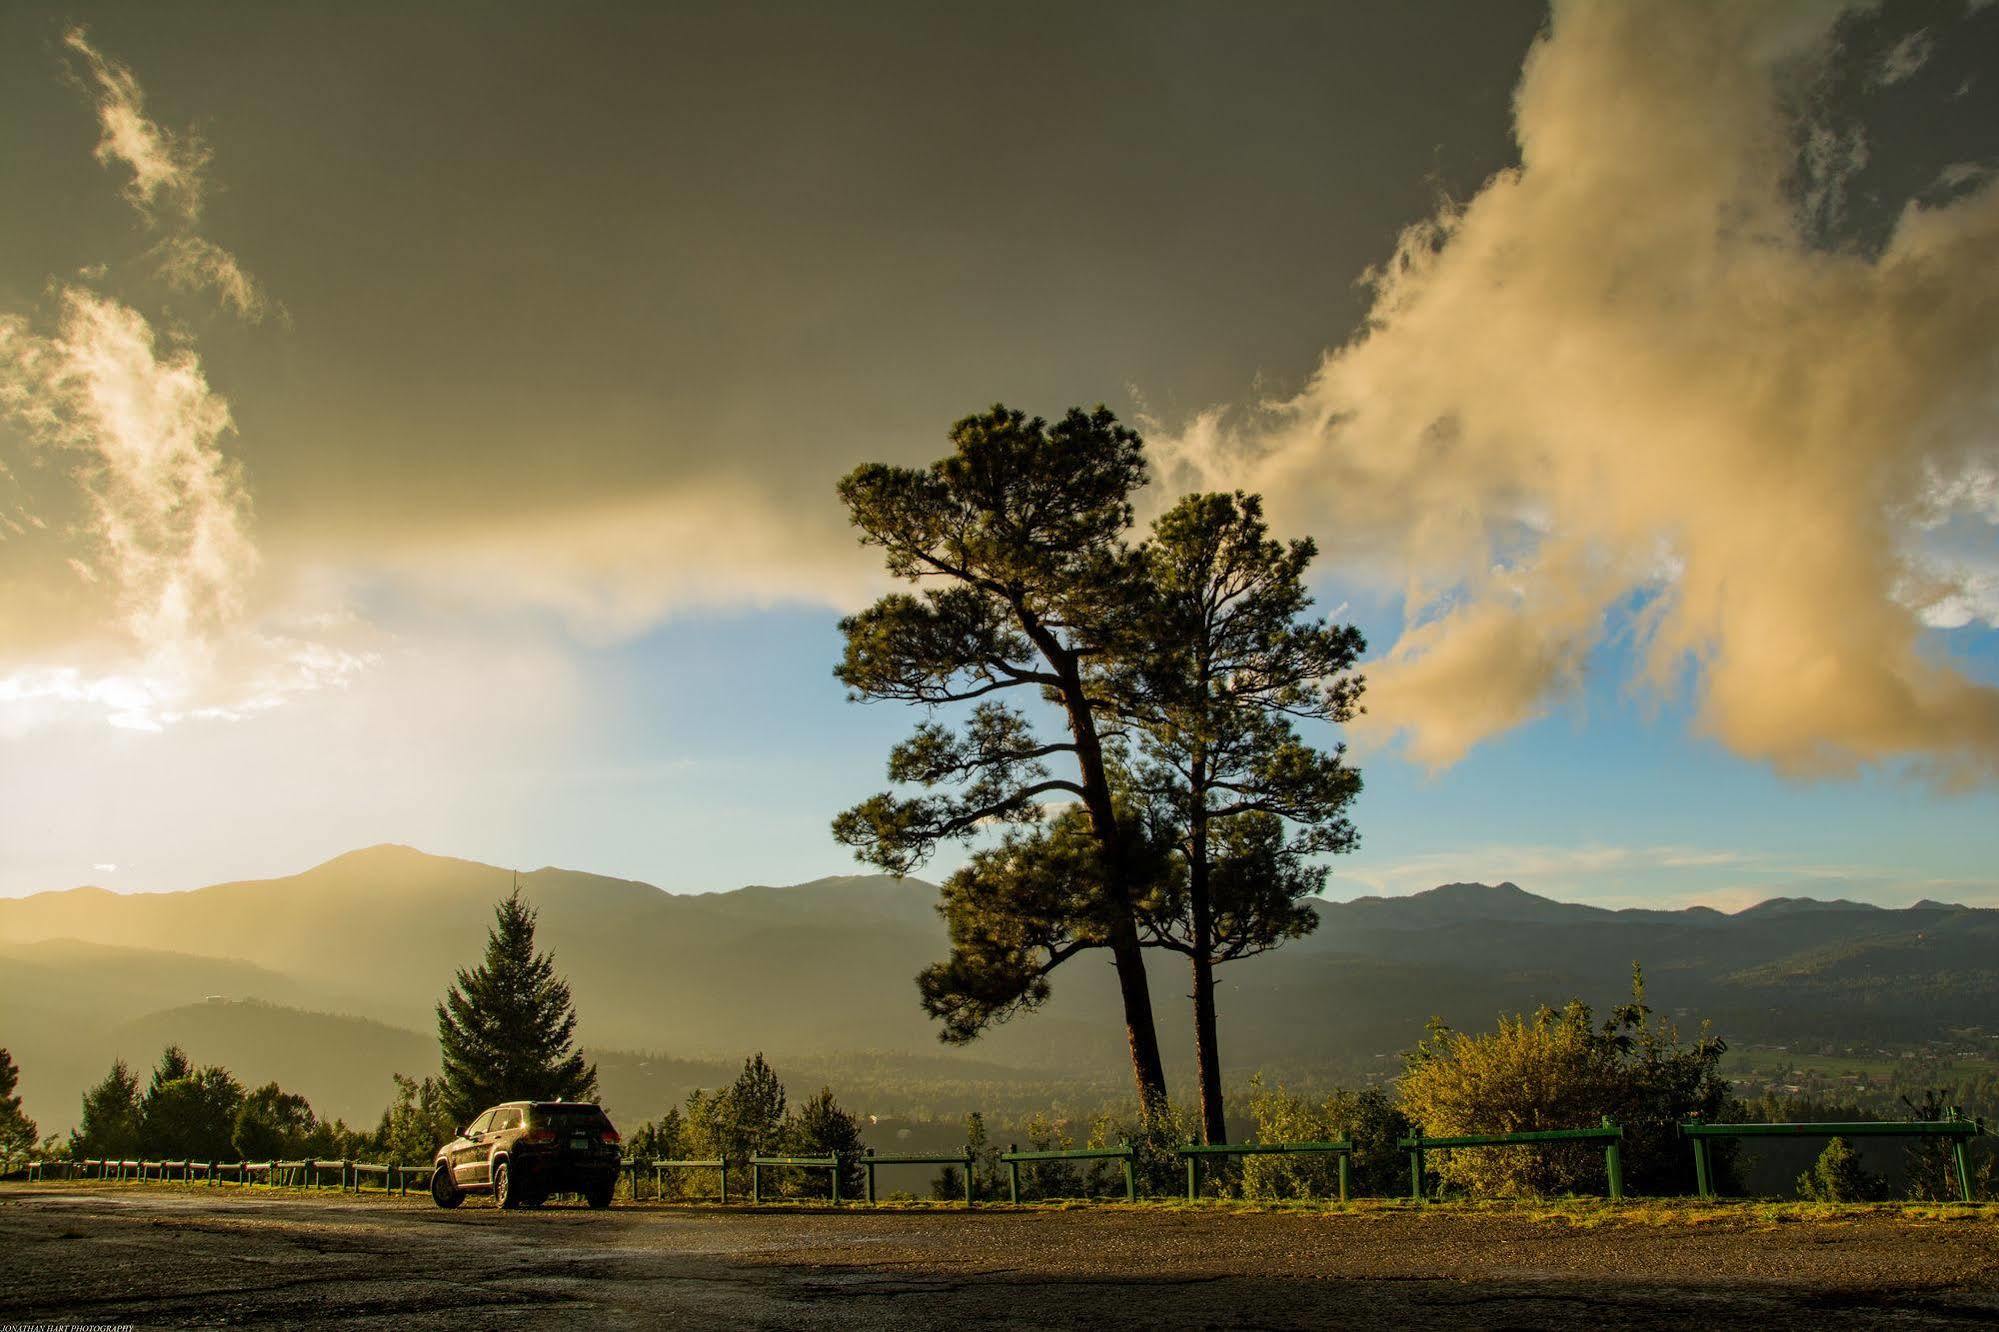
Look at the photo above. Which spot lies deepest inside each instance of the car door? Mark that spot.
(468, 1158)
(499, 1137)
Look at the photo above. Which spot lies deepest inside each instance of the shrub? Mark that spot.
(1558, 1070)
(1370, 1118)
(1837, 1176)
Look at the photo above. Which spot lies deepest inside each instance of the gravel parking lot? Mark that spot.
(173, 1257)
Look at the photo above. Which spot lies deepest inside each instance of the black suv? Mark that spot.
(523, 1151)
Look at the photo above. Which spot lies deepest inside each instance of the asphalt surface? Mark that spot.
(154, 1256)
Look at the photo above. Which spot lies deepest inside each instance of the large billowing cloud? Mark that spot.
(155, 623)
(165, 524)
(1630, 383)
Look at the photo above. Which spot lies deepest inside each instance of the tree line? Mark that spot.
(1179, 807)
(1555, 1068)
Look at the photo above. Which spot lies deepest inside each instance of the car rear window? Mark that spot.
(569, 1116)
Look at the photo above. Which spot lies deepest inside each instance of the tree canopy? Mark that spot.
(1221, 662)
(1019, 538)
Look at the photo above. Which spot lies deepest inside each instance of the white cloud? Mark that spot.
(168, 182)
(166, 167)
(1625, 373)
(1906, 57)
(167, 530)
(165, 525)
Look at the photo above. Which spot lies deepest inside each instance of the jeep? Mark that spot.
(524, 1151)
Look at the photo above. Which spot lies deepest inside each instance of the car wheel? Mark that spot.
(599, 1195)
(503, 1188)
(444, 1190)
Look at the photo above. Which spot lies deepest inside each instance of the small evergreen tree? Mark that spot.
(17, 1132)
(109, 1123)
(1838, 1177)
(173, 1065)
(507, 1029)
(987, 1177)
(188, 1111)
(753, 1110)
(820, 1128)
(417, 1121)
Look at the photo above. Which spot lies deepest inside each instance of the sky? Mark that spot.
(422, 427)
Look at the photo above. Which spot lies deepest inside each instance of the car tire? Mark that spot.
(504, 1196)
(444, 1190)
(599, 1195)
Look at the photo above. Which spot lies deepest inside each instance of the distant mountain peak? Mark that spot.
(1504, 888)
(1782, 905)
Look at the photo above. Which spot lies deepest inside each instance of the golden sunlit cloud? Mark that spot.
(165, 541)
(1630, 373)
(168, 180)
(615, 568)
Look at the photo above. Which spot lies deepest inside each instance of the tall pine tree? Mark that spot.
(507, 1029)
(109, 1124)
(17, 1131)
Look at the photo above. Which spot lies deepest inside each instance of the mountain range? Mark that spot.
(327, 980)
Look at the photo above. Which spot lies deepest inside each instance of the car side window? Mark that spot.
(480, 1125)
(506, 1119)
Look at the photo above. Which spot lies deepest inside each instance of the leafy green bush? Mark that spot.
(1378, 1167)
(1560, 1070)
(1837, 1176)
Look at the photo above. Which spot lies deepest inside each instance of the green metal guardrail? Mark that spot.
(1014, 1157)
(1343, 1147)
(1953, 1126)
(660, 1167)
(303, 1174)
(1611, 1135)
(758, 1164)
(869, 1160)
(311, 1174)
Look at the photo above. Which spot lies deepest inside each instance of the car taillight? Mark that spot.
(539, 1137)
(611, 1136)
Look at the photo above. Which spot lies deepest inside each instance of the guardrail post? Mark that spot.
(1193, 1176)
(867, 1165)
(1416, 1170)
(1703, 1177)
(1613, 1163)
(968, 1177)
(725, 1179)
(1013, 1176)
(836, 1179)
(1345, 1159)
(756, 1182)
(1130, 1174)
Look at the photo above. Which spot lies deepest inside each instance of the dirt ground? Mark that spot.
(160, 1256)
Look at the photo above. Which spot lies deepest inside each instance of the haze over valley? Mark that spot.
(326, 982)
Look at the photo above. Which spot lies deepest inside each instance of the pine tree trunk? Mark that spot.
(1207, 1055)
(1147, 1070)
(1141, 1034)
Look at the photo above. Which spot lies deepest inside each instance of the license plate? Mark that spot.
(579, 1143)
